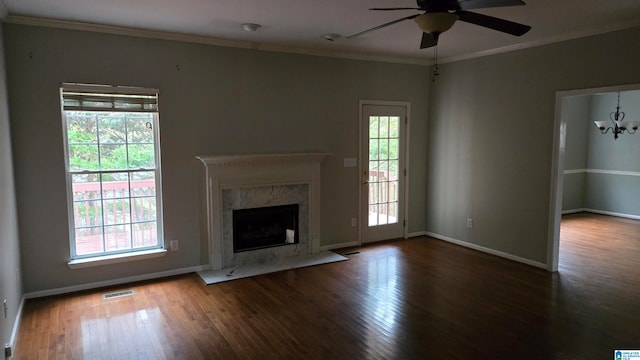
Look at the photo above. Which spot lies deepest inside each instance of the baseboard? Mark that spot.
(16, 327)
(416, 234)
(611, 213)
(573, 211)
(489, 251)
(339, 245)
(99, 284)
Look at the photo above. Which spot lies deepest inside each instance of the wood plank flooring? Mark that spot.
(408, 299)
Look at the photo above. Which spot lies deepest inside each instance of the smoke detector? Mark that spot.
(250, 27)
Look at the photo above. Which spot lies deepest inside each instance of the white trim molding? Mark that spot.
(16, 325)
(601, 212)
(602, 171)
(101, 284)
(573, 211)
(115, 259)
(575, 171)
(488, 250)
(416, 234)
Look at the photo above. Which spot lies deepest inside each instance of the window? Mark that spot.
(113, 169)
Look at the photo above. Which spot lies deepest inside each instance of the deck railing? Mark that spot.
(127, 219)
(383, 197)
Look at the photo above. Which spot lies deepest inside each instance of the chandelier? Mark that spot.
(619, 124)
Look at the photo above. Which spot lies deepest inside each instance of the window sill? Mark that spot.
(114, 259)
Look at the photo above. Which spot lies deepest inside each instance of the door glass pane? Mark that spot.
(373, 149)
(383, 169)
(384, 127)
(373, 127)
(394, 127)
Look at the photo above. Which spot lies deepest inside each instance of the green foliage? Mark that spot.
(384, 143)
(110, 141)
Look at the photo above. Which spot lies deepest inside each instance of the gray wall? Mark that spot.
(10, 286)
(490, 140)
(213, 100)
(576, 111)
(588, 149)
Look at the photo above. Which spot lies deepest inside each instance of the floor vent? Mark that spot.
(117, 294)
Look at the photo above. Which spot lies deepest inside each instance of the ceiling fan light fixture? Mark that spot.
(436, 22)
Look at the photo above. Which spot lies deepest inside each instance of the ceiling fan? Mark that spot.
(440, 15)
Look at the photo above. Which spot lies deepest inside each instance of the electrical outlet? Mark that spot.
(469, 223)
(6, 307)
(175, 245)
(354, 222)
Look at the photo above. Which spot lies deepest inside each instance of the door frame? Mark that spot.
(405, 196)
(557, 167)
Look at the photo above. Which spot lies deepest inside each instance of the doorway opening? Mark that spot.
(597, 175)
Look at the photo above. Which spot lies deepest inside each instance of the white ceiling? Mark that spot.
(300, 25)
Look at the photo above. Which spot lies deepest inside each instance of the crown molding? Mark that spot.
(551, 40)
(207, 40)
(3, 10)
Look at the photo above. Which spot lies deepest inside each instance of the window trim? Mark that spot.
(102, 258)
(85, 262)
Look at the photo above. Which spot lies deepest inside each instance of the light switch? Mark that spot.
(350, 162)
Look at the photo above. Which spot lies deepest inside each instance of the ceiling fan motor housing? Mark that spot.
(436, 23)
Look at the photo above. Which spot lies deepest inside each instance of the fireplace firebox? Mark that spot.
(264, 227)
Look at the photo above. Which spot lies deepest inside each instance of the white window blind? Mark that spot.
(108, 98)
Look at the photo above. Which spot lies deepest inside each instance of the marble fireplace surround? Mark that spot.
(246, 172)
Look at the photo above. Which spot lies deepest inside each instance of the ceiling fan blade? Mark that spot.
(428, 40)
(478, 4)
(494, 23)
(383, 25)
(397, 8)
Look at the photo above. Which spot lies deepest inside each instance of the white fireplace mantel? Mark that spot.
(245, 171)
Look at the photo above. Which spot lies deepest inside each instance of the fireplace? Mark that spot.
(264, 227)
(236, 182)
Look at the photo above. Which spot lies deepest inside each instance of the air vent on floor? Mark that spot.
(117, 294)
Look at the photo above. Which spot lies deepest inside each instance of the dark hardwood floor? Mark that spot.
(408, 299)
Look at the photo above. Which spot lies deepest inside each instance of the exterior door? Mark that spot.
(383, 171)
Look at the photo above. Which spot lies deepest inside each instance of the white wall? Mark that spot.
(490, 141)
(213, 100)
(10, 285)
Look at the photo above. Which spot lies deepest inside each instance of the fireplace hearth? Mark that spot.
(264, 227)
